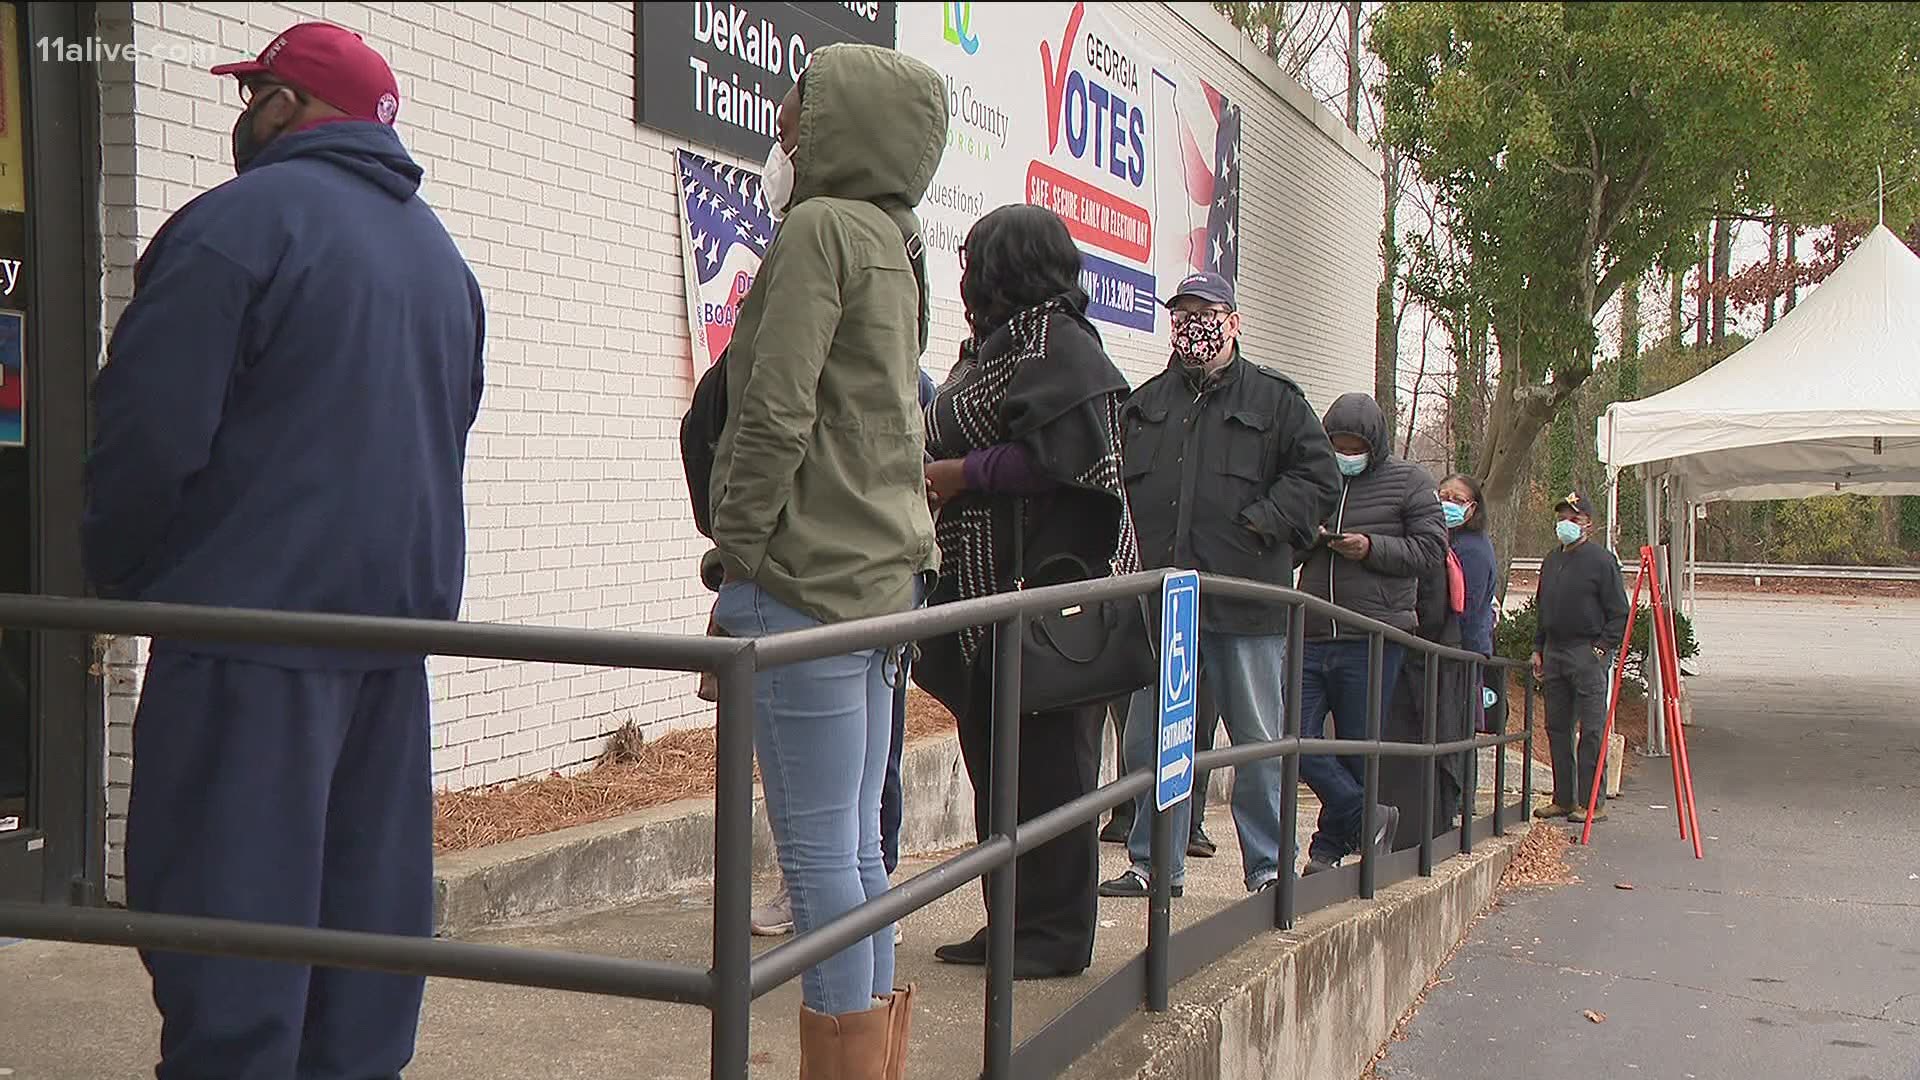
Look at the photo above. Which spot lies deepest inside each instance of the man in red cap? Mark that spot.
(282, 423)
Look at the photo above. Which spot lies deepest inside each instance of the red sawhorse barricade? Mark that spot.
(1666, 654)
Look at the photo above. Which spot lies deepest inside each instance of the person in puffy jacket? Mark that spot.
(819, 503)
(1386, 533)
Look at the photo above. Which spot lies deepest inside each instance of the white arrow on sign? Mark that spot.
(1175, 770)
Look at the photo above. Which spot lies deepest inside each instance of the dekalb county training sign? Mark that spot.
(715, 73)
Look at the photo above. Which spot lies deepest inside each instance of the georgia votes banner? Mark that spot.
(1054, 104)
(1051, 104)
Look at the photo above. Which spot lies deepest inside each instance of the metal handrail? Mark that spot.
(728, 988)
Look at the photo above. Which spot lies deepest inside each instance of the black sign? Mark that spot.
(715, 73)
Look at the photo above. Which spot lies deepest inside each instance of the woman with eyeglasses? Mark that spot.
(1455, 609)
(1025, 442)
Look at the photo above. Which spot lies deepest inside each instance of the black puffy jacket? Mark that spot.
(1396, 505)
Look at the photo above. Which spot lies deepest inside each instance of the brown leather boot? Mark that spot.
(852, 1046)
(899, 1031)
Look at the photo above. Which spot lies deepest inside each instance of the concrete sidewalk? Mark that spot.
(72, 1012)
(1792, 950)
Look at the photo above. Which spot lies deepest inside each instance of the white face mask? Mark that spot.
(776, 179)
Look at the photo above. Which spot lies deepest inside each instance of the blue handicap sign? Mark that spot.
(1179, 685)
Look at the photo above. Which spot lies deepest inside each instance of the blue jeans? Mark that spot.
(1246, 676)
(821, 731)
(1336, 683)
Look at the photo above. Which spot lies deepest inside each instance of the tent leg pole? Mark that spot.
(1613, 509)
(1650, 669)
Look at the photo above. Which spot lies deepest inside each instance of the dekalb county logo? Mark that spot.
(959, 27)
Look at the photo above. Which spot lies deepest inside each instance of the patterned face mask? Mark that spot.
(1197, 341)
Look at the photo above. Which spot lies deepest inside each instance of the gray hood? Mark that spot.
(1359, 414)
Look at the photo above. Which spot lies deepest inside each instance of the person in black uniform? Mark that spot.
(1583, 612)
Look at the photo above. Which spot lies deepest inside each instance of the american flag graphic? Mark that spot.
(725, 230)
(1223, 216)
(724, 207)
(1198, 199)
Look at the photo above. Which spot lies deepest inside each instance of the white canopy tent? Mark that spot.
(1826, 401)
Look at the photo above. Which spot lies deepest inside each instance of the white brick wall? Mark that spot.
(521, 116)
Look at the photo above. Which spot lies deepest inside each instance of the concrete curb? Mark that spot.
(665, 849)
(1315, 1003)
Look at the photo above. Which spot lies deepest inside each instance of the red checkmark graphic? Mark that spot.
(1054, 72)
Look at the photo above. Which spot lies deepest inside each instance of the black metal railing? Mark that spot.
(736, 977)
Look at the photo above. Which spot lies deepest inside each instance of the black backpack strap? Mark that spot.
(904, 219)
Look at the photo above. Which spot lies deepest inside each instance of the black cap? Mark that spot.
(1575, 502)
(1212, 288)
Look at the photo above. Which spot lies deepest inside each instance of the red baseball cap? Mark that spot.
(331, 63)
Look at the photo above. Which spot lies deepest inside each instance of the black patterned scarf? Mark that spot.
(1036, 382)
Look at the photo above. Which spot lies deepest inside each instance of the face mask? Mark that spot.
(1198, 341)
(247, 146)
(776, 180)
(1455, 514)
(1568, 532)
(1352, 465)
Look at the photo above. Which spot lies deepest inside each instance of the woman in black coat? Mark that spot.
(1024, 439)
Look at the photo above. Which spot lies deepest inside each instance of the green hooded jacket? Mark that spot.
(819, 488)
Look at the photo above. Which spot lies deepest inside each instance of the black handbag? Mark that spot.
(1081, 654)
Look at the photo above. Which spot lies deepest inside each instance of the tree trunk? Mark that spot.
(1353, 66)
(1676, 307)
(1386, 329)
(1702, 323)
(1793, 263)
(1419, 380)
(1630, 320)
(1890, 523)
(1520, 412)
(1773, 272)
(1722, 267)
(1469, 390)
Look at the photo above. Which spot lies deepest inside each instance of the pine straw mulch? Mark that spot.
(631, 774)
(1538, 862)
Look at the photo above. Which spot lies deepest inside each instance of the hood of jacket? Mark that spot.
(366, 149)
(873, 125)
(1359, 414)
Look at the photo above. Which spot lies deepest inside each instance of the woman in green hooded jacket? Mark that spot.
(819, 503)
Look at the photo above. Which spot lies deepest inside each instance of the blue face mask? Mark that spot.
(1352, 465)
(1569, 532)
(1455, 514)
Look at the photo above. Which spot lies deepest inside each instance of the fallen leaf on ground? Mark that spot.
(1625, 885)
(1596, 1017)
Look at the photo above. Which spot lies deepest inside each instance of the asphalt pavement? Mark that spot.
(1792, 950)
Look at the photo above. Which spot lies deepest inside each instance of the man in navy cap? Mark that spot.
(282, 423)
(1582, 607)
(1228, 471)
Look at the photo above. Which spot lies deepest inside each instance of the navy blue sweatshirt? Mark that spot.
(282, 421)
(1479, 567)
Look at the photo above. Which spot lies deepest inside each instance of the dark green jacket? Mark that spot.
(819, 493)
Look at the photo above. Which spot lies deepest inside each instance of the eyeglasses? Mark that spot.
(1179, 317)
(256, 88)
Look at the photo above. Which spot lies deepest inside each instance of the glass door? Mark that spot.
(51, 708)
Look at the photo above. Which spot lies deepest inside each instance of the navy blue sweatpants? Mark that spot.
(285, 796)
